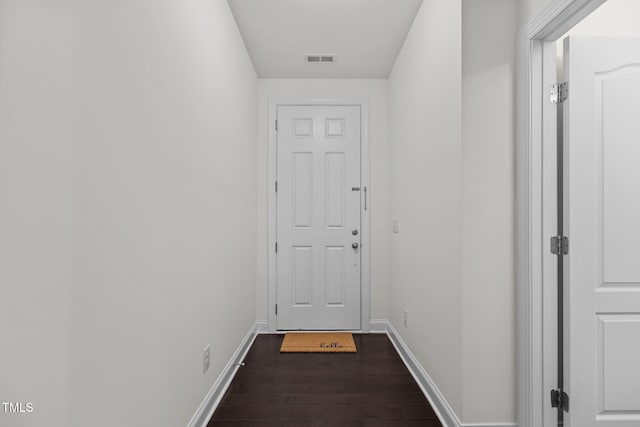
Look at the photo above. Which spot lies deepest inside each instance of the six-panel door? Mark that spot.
(318, 217)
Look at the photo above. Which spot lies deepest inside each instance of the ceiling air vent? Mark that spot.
(317, 59)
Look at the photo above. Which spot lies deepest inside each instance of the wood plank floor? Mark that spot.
(369, 388)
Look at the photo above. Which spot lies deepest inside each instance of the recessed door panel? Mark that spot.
(302, 275)
(618, 363)
(303, 128)
(334, 289)
(335, 189)
(302, 189)
(620, 143)
(335, 128)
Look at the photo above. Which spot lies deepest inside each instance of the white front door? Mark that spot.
(318, 217)
(602, 221)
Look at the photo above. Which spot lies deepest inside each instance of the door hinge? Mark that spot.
(276, 186)
(276, 247)
(559, 245)
(559, 92)
(560, 399)
(276, 309)
(276, 125)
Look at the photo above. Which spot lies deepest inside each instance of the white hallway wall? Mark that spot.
(165, 203)
(376, 90)
(127, 207)
(529, 9)
(36, 186)
(425, 194)
(488, 206)
(452, 189)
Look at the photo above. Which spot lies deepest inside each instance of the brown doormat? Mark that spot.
(318, 342)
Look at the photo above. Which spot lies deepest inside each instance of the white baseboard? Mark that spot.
(441, 407)
(443, 410)
(213, 398)
(262, 327)
(489, 425)
(378, 326)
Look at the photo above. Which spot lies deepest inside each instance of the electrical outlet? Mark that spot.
(206, 359)
(405, 318)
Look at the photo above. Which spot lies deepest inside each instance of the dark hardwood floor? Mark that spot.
(369, 388)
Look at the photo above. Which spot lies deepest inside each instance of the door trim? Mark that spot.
(534, 193)
(363, 103)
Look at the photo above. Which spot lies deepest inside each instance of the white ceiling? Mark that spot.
(365, 35)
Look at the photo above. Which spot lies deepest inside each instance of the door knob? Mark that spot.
(354, 231)
(355, 246)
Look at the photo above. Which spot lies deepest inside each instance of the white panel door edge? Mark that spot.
(602, 221)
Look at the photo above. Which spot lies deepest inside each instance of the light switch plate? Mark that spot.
(206, 359)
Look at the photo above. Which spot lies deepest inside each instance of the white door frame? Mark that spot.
(363, 103)
(536, 198)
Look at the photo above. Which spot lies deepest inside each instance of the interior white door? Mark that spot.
(318, 218)
(602, 221)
